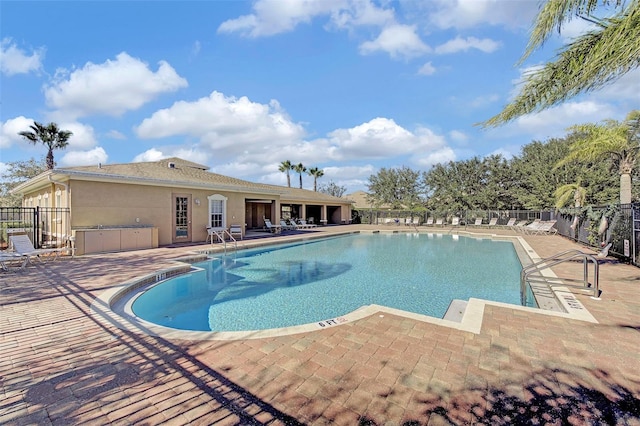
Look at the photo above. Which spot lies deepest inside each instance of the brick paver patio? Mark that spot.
(60, 364)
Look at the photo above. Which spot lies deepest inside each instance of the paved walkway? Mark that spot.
(59, 364)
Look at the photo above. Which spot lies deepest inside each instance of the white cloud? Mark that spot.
(83, 135)
(378, 138)
(14, 60)
(84, 158)
(430, 159)
(9, 131)
(427, 69)
(354, 172)
(575, 28)
(110, 88)
(554, 121)
(458, 136)
(431, 149)
(361, 13)
(382, 138)
(271, 17)
(458, 44)
(398, 41)
(226, 126)
(115, 134)
(463, 14)
(152, 154)
(507, 152)
(626, 88)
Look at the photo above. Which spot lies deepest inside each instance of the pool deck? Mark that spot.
(63, 363)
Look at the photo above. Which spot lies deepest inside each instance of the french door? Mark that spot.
(181, 218)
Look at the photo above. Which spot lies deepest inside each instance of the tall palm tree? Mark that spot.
(50, 136)
(300, 169)
(286, 167)
(316, 173)
(615, 141)
(589, 62)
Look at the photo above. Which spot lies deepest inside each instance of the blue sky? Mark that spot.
(349, 86)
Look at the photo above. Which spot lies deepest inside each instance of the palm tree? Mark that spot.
(285, 167)
(316, 173)
(49, 135)
(571, 191)
(300, 169)
(589, 62)
(618, 142)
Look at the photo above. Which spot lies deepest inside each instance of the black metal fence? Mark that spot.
(615, 228)
(45, 226)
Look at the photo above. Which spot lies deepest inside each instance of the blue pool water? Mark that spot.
(321, 279)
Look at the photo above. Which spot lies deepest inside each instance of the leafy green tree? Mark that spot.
(537, 175)
(16, 173)
(587, 63)
(470, 184)
(612, 140)
(49, 135)
(286, 167)
(300, 169)
(316, 173)
(331, 188)
(397, 188)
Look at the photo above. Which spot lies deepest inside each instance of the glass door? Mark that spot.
(181, 218)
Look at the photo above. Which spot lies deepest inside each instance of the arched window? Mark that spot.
(217, 211)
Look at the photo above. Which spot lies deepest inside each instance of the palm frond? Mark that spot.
(590, 62)
(554, 14)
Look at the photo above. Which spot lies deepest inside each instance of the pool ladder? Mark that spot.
(222, 234)
(533, 273)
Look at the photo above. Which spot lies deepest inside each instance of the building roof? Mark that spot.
(173, 172)
(361, 201)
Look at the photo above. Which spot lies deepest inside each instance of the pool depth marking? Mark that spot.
(332, 322)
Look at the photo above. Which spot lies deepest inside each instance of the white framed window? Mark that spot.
(217, 211)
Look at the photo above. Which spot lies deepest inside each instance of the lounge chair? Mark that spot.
(439, 221)
(510, 223)
(306, 225)
(299, 224)
(429, 221)
(477, 222)
(493, 222)
(416, 221)
(520, 225)
(235, 231)
(546, 227)
(285, 226)
(455, 221)
(532, 227)
(9, 258)
(22, 245)
(274, 229)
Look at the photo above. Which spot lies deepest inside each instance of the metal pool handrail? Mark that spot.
(526, 275)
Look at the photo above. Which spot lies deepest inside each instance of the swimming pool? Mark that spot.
(316, 280)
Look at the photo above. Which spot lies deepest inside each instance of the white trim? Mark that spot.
(210, 200)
